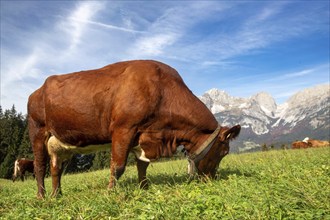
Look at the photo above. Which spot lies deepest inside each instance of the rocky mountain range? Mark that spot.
(263, 121)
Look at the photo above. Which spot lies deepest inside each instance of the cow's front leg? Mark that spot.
(122, 141)
(117, 164)
(142, 172)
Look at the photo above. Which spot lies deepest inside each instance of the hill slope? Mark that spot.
(290, 184)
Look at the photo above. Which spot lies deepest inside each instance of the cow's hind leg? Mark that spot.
(41, 157)
(22, 175)
(142, 172)
(38, 137)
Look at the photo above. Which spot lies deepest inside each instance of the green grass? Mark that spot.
(288, 184)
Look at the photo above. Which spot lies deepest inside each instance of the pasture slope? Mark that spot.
(284, 184)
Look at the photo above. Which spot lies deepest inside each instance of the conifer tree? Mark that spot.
(101, 160)
(12, 129)
(25, 149)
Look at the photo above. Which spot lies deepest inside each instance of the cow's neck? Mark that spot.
(195, 140)
(193, 125)
(202, 149)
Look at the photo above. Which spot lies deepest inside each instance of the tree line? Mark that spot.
(15, 143)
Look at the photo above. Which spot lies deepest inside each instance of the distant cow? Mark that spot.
(135, 106)
(300, 144)
(21, 166)
(306, 143)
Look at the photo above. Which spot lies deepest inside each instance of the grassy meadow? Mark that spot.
(284, 184)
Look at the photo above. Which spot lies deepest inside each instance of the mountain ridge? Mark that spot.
(306, 113)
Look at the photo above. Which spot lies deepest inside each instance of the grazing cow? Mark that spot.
(134, 106)
(20, 167)
(306, 143)
(300, 144)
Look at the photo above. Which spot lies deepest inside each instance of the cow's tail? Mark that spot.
(47, 136)
(16, 169)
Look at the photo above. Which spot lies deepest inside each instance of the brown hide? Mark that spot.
(127, 104)
(318, 143)
(22, 166)
(300, 144)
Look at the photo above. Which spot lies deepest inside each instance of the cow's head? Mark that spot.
(14, 177)
(208, 165)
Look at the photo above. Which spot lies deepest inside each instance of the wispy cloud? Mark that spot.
(75, 23)
(109, 26)
(15, 71)
(154, 45)
(170, 27)
(271, 24)
(299, 73)
(162, 33)
(45, 49)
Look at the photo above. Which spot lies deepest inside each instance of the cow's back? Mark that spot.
(82, 107)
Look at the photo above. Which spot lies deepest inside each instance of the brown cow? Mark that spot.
(306, 143)
(21, 166)
(139, 106)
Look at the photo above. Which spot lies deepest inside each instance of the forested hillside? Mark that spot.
(14, 140)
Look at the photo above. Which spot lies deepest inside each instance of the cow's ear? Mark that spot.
(231, 133)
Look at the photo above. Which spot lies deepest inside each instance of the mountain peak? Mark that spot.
(308, 95)
(266, 103)
(215, 93)
(262, 95)
(306, 104)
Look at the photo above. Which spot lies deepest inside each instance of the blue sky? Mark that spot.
(241, 47)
